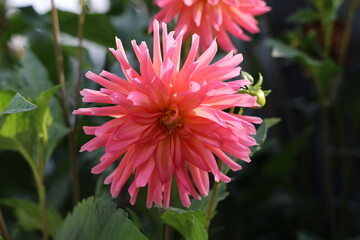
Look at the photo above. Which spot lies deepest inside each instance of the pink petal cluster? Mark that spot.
(167, 120)
(209, 18)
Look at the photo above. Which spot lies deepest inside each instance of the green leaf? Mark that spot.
(191, 224)
(282, 50)
(262, 131)
(323, 72)
(18, 104)
(281, 164)
(28, 215)
(304, 15)
(98, 220)
(31, 78)
(95, 24)
(28, 132)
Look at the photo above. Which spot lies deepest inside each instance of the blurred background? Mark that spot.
(303, 184)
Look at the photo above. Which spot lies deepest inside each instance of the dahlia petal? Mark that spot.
(228, 161)
(109, 178)
(211, 114)
(238, 152)
(90, 130)
(189, 2)
(113, 111)
(128, 130)
(93, 144)
(235, 30)
(208, 55)
(183, 180)
(193, 157)
(201, 179)
(226, 101)
(157, 60)
(154, 191)
(224, 41)
(143, 154)
(167, 73)
(138, 98)
(122, 174)
(124, 85)
(208, 137)
(102, 81)
(143, 173)
(205, 33)
(197, 14)
(109, 126)
(193, 52)
(106, 161)
(167, 192)
(247, 21)
(223, 74)
(216, 16)
(133, 191)
(94, 96)
(251, 119)
(163, 160)
(184, 196)
(163, 3)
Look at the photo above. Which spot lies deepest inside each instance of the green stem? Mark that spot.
(73, 134)
(211, 205)
(328, 172)
(72, 138)
(42, 200)
(59, 60)
(353, 5)
(3, 229)
(212, 201)
(38, 175)
(167, 232)
(328, 29)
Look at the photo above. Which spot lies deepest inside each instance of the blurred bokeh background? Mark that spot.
(303, 184)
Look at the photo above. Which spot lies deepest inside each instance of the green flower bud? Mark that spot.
(260, 98)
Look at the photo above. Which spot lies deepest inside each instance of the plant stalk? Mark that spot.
(59, 61)
(328, 186)
(38, 175)
(72, 137)
(212, 204)
(42, 200)
(353, 5)
(167, 232)
(3, 229)
(73, 134)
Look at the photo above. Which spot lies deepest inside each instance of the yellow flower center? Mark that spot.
(171, 120)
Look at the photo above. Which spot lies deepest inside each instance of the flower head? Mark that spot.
(167, 120)
(209, 18)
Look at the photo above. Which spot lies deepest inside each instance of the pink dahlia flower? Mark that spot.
(209, 18)
(167, 120)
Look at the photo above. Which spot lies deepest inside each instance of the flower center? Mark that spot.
(171, 120)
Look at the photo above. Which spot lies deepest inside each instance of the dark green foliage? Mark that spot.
(98, 220)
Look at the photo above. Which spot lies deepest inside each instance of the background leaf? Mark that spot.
(27, 131)
(95, 24)
(28, 215)
(191, 224)
(98, 220)
(261, 132)
(18, 104)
